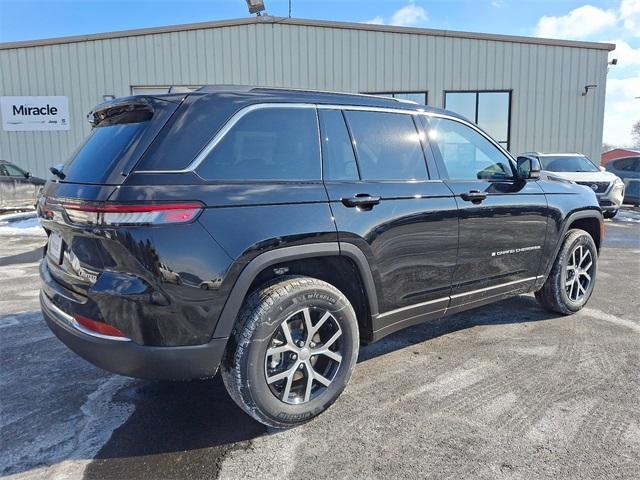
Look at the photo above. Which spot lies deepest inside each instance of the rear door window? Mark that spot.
(388, 146)
(339, 161)
(278, 143)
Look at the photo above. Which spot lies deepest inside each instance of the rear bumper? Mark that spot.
(128, 358)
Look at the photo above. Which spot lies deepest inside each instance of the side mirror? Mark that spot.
(603, 169)
(27, 174)
(528, 168)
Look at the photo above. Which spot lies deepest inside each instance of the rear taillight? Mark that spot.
(99, 327)
(129, 214)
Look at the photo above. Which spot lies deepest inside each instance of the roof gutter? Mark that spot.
(309, 23)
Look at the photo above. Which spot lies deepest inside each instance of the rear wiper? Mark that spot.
(57, 171)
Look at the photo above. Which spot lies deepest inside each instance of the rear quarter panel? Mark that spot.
(240, 221)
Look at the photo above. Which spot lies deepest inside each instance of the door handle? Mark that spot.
(361, 200)
(474, 196)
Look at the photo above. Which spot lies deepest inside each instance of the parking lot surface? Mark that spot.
(505, 391)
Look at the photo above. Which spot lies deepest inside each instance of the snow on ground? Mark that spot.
(24, 223)
(628, 214)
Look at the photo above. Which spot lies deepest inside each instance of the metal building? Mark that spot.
(529, 93)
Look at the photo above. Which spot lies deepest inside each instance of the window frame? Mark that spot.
(434, 174)
(477, 94)
(441, 166)
(390, 94)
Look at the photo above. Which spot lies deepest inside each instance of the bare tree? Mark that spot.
(607, 147)
(635, 134)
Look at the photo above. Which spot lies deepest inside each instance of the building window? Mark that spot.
(421, 98)
(490, 110)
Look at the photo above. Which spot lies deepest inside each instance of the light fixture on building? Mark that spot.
(255, 6)
(613, 61)
(587, 88)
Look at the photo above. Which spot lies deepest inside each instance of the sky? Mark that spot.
(613, 21)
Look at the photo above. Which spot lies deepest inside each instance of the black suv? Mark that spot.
(270, 232)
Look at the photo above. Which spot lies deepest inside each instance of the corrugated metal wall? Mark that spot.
(548, 111)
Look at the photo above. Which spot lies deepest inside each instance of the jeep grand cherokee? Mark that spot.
(270, 232)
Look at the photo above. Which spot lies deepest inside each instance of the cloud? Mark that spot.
(620, 22)
(377, 20)
(621, 110)
(630, 16)
(497, 3)
(579, 23)
(409, 15)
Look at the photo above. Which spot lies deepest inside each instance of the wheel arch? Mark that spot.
(257, 272)
(589, 220)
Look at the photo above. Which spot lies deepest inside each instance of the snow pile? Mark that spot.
(24, 224)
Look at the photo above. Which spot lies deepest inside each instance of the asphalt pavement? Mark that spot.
(504, 391)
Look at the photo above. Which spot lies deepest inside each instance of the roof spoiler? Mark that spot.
(133, 109)
(120, 111)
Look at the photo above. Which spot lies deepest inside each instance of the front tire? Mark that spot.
(572, 278)
(293, 350)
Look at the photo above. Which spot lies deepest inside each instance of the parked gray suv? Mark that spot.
(18, 188)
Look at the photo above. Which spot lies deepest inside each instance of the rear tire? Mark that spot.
(292, 352)
(572, 278)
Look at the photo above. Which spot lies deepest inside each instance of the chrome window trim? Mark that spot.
(236, 117)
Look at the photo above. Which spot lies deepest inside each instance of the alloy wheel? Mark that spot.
(579, 273)
(304, 355)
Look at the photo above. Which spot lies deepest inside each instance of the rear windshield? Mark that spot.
(102, 151)
(117, 142)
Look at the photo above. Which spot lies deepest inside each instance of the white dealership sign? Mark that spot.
(22, 114)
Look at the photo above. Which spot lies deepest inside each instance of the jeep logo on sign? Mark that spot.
(20, 114)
